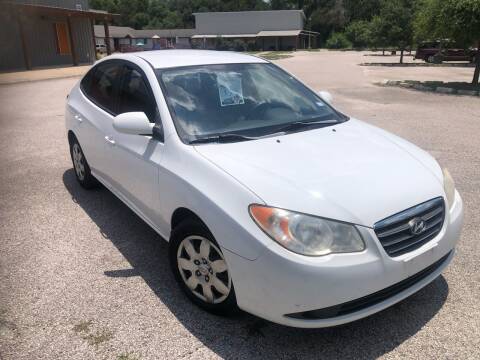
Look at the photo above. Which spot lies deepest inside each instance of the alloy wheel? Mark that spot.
(203, 269)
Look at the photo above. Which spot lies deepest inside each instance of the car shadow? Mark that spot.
(246, 336)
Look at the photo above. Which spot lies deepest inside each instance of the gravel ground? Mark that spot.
(82, 277)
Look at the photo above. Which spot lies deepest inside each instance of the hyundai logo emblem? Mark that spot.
(417, 226)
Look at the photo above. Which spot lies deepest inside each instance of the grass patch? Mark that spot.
(455, 88)
(419, 64)
(459, 85)
(99, 337)
(128, 356)
(451, 85)
(272, 55)
(82, 326)
(94, 339)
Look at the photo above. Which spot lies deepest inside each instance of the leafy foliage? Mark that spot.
(361, 9)
(169, 13)
(377, 23)
(359, 33)
(457, 20)
(338, 41)
(328, 17)
(378, 38)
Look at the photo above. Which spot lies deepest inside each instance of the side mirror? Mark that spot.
(134, 123)
(325, 95)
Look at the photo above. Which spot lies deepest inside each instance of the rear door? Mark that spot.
(93, 108)
(135, 158)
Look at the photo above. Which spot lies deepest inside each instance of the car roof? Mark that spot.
(160, 59)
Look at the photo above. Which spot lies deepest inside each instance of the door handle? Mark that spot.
(110, 140)
(78, 118)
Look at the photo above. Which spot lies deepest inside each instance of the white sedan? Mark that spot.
(272, 200)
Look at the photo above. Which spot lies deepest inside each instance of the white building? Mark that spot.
(270, 30)
(263, 30)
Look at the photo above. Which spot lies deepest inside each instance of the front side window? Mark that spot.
(135, 95)
(102, 85)
(250, 100)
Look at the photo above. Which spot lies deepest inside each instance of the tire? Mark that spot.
(430, 59)
(80, 165)
(194, 268)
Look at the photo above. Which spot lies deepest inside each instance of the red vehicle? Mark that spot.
(439, 51)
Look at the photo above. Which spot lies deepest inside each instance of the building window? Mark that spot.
(63, 45)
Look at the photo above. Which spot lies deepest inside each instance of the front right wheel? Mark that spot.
(200, 268)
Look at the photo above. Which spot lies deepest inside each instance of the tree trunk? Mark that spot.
(476, 74)
(401, 55)
(383, 52)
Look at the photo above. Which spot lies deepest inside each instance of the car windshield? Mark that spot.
(240, 102)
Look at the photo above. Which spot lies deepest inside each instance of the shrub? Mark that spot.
(239, 45)
(338, 41)
(221, 43)
(251, 46)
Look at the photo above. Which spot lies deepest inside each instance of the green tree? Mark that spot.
(283, 4)
(427, 19)
(361, 9)
(161, 17)
(458, 20)
(328, 16)
(378, 38)
(359, 33)
(396, 23)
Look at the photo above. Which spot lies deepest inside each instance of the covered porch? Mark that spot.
(271, 40)
(287, 40)
(37, 36)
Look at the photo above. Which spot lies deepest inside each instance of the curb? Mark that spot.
(23, 81)
(460, 65)
(429, 86)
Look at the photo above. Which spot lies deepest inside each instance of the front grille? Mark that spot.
(397, 234)
(372, 299)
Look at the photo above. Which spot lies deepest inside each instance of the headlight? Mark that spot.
(307, 235)
(449, 187)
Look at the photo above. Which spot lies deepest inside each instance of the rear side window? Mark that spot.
(86, 81)
(99, 85)
(135, 94)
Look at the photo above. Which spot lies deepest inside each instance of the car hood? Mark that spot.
(352, 172)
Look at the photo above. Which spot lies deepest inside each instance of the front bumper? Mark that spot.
(280, 282)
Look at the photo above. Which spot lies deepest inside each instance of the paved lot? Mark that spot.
(42, 74)
(82, 277)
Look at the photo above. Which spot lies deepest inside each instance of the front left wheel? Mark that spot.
(200, 268)
(80, 165)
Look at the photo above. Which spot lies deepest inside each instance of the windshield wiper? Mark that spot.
(297, 125)
(222, 138)
(225, 138)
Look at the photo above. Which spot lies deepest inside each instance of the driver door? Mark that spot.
(135, 158)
